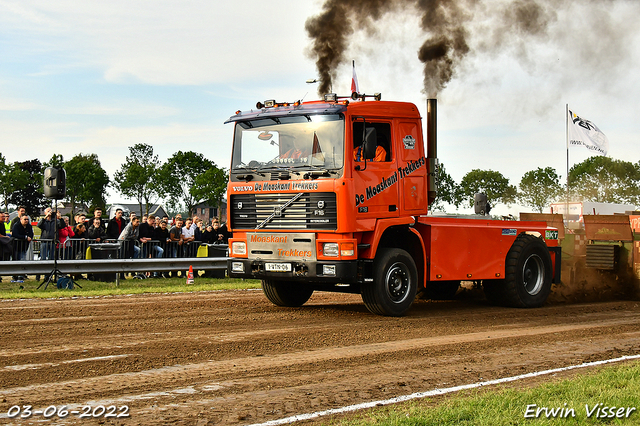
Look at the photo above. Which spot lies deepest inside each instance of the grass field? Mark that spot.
(608, 395)
(28, 289)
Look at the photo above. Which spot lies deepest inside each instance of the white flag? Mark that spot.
(584, 132)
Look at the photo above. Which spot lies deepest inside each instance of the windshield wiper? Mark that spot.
(272, 167)
(315, 171)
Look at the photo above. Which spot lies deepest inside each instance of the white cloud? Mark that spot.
(163, 42)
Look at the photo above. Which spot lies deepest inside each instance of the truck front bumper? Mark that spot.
(343, 271)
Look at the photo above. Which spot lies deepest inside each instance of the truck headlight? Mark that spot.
(331, 249)
(239, 248)
(329, 270)
(237, 267)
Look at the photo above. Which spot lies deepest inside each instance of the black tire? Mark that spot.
(441, 290)
(394, 286)
(528, 273)
(284, 293)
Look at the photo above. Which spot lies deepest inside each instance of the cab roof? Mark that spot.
(388, 109)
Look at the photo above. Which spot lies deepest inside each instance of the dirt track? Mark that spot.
(233, 358)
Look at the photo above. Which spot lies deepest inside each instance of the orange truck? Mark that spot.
(333, 195)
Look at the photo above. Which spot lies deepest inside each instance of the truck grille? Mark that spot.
(315, 210)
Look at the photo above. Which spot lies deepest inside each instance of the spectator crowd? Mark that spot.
(145, 237)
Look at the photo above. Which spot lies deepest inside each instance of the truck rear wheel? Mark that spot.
(528, 273)
(284, 293)
(395, 281)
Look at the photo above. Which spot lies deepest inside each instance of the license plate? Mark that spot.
(277, 267)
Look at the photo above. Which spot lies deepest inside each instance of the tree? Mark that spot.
(447, 190)
(605, 180)
(211, 186)
(539, 188)
(12, 177)
(56, 161)
(136, 177)
(494, 184)
(31, 194)
(86, 181)
(179, 176)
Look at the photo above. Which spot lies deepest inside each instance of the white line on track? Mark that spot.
(436, 392)
(69, 361)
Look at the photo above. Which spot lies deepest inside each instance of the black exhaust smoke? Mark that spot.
(448, 25)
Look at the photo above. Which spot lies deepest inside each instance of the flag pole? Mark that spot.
(566, 207)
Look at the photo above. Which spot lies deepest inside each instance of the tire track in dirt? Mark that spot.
(162, 377)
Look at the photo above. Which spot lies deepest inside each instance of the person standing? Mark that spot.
(188, 237)
(4, 224)
(97, 213)
(47, 227)
(116, 225)
(147, 231)
(80, 244)
(22, 233)
(21, 212)
(175, 238)
(5, 240)
(161, 234)
(64, 234)
(96, 232)
(129, 236)
(224, 233)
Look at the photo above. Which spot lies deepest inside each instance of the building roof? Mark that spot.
(127, 208)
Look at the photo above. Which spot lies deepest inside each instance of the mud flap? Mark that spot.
(557, 263)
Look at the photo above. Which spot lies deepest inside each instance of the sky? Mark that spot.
(98, 77)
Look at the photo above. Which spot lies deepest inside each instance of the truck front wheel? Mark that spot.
(395, 281)
(283, 293)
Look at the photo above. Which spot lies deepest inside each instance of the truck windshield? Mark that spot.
(301, 144)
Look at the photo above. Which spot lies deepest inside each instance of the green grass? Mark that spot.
(617, 386)
(28, 289)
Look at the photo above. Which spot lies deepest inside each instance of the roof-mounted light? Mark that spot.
(272, 103)
(331, 97)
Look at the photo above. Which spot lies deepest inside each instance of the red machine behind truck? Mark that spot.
(333, 195)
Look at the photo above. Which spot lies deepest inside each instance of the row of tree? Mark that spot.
(188, 178)
(597, 179)
(183, 181)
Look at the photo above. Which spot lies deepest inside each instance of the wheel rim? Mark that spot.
(397, 282)
(533, 274)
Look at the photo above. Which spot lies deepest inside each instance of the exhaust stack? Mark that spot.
(432, 147)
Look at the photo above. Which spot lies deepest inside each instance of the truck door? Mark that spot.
(412, 167)
(376, 181)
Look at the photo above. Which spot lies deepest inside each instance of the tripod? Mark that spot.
(55, 243)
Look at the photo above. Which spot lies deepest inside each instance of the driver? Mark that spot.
(298, 150)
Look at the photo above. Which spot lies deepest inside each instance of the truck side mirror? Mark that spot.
(370, 143)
